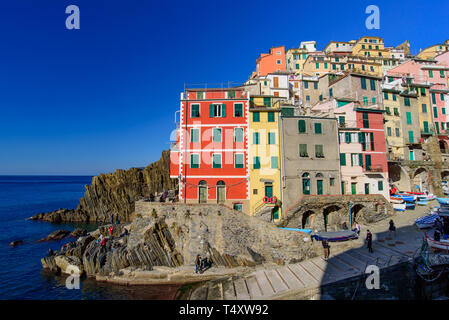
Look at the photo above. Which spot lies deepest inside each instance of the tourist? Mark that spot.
(392, 229)
(100, 238)
(356, 228)
(103, 242)
(111, 229)
(112, 219)
(369, 241)
(326, 248)
(197, 263)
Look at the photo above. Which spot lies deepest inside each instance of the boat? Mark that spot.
(396, 200)
(443, 244)
(443, 201)
(307, 231)
(410, 206)
(335, 236)
(415, 193)
(399, 206)
(422, 203)
(426, 197)
(406, 198)
(426, 221)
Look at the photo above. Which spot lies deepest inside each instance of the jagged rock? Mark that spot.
(115, 194)
(78, 232)
(49, 263)
(56, 235)
(80, 246)
(16, 243)
(68, 264)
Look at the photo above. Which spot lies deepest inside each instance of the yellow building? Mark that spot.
(393, 124)
(265, 157)
(432, 51)
(370, 47)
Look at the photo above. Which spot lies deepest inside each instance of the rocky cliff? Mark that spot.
(115, 193)
(171, 235)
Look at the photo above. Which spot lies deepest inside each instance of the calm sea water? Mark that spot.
(21, 274)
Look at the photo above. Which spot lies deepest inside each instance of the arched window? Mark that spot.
(306, 183)
(319, 183)
(202, 191)
(221, 191)
(319, 175)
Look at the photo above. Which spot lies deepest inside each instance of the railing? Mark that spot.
(377, 168)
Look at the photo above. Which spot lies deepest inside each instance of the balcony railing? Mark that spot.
(377, 168)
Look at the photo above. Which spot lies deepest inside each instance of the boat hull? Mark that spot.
(438, 245)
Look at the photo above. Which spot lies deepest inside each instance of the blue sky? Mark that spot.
(103, 97)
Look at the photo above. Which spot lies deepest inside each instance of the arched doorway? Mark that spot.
(445, 175)
(444, 146)
(355, 213)
(307, 219)
(221, 191)
(319, 183)
(420, 180)
(306, 183)
(202, 192)
(330, 220)
(399, 177)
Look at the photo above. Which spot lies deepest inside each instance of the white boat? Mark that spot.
(396, 200)
(426, 221)
(439, 245)
(426, 197)
(399, 206)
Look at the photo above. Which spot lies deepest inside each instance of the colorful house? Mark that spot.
(271, 62)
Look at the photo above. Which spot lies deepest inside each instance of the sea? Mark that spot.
(21, 273)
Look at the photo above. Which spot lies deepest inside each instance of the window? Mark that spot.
(387, 110)
(341, 120)
(365, 101)
(441, 73)
(278, 61)
(315, 86)
(318, 129)
(267, 102)
(308, 98)
(430, 74)
(380, 185)
(274, 162)
(216, 135)
(373, 100)
(231, 94)
(256, 116)
(256, 138)
(435, 112)
(325, 65)
(443, 110)
(194, 135)
(409, 117)
(407, 102)
(354, 159)
(256, 163)
(297, 66)
(426, 126)
(389, 131)
(270, 116)
(372, 84)
(410, 137)
(238, 160)
(217, 110)
(437, 127)
(365, 120)
(394, 96)
(306, 84)
(342, 159)
(302, 126)
(317, 65)
(194, 161)
(319, 151)
(386, 95)
(424, 108)
(398, 133)
(199, 95)
(303, 151)
(331, 92)
(195, 110)
(238, 135)
(441, 96)
(347, 137)
(216, 161)
(238, 110)
(363, 83)
(271, 138)
(434, 99)
(396, 111)
(423, 92)
(371, 138)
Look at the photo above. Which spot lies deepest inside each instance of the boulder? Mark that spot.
(69, 264)
(16, 243)
(78, 232)
(57, 235)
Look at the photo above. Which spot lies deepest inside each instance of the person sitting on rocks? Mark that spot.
(197, 263)
(111, 229)
(356, 228)
(103, 242)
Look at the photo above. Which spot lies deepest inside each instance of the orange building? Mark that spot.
(271, 62)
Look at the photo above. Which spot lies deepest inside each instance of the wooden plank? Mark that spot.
(303, 275)
(241, 290)
(331, 274)
(264, 285)
(214, 292)
(291, 280)
(356, 263)
(276, 281)
(199, 293)
(253, 287)
(228, 290)
(313, 270)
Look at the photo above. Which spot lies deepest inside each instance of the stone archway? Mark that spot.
(445, 175)
(307, 219)
(357, 213)
(331, 218)
(444, 147)
(420, 180)
(399, 177)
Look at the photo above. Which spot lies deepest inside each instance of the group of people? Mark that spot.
(202, 264)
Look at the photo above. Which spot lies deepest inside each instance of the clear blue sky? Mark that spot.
(103, 97)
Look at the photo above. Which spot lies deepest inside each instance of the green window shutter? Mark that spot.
(342, 159)
(302, 126)
(318, 129)
(424, 108)
(319, 151)
(363, 83)
(389, 131)
(256, 138)
(365, 119)
(267, 102)
(331, 93)
(325, 65)
(409, 117)
(223, 110)
(256, 116)
(256, 164)
(423, 91)
(315, 85)
(270, 116)
(306, 85)
(194, 161)
(437, 127)
(430, 73)
(410, 137)
(372, 84)
(441, 73)
(317, 65)
(238, 135)
(434, 98)
(373, 100)
(238, 160)
(394, 97)
(211, 111)
(443, 110)
(387, 109)
(368, 161)
(297, 66)
(435, 112)
(362, 140)
(371, 137)
(361, 159)
(347, 137)
(216, 135)
(238, 110)
(407, 102)
(303, 150)
(426, 126)
(274, 162)
(271, 138)
(386, 95)
(442, 96)
(380, 185)
(216, 164)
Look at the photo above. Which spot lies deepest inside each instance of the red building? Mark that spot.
(210, 157)
(371, 124)
(271, 62)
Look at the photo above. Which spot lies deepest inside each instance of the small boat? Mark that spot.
(410, 206)
(307, 231)
(406, 198)
(426, 197)
(426, 221)
(415, 193)
(422, 203)
(438, 245)
(396, 200)
(443, 201)
(335, 236)
(399, 206)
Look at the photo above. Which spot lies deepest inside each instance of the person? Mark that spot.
(117, 220)
(100, 238)
(112, 219)
(111, 228)
(436, 235)
(356, 227)
(393, 191)
(151, 197)
(392, 229)
(369, 240)
(326, 248)
(197, 263)
(103, 242)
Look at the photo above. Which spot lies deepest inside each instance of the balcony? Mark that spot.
(376, 168)
(428, 132)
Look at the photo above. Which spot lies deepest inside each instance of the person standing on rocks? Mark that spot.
(326, 248)
(369, 240)
(112, 219)
(197, 263)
